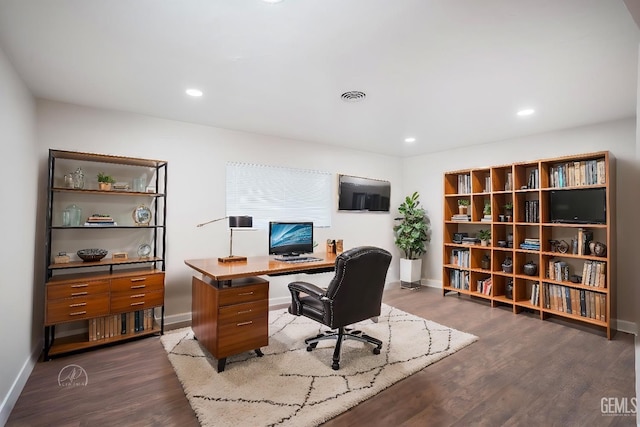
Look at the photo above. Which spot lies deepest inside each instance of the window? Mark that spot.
(270, 193)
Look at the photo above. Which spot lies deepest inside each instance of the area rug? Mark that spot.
(289, 386)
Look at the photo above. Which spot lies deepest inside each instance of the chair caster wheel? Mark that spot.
(335, 366)
(376, 350)
(309, 348)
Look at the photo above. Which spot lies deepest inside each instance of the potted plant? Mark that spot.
(463, 204)
(508, 209)
(487, 209)
(105, 181)
(411, 236)
(484, 236)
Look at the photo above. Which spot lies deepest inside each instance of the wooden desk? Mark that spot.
(230, 303)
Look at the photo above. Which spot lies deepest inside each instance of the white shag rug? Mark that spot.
(289, 386)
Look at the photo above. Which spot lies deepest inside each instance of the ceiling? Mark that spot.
(450, 73)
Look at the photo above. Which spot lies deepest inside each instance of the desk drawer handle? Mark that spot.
(245, 311)
(83, 285)
(78, 313)
(246, 293)
(77, 294)
(139, 279)
(137, 303)
(137, 296)
(245, 323)
(80, 304)
(138, 286)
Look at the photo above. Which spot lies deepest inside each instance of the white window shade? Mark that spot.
(269, 193)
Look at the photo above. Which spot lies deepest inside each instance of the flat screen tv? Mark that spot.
(363, 194)
(290, 238)
(585, 206)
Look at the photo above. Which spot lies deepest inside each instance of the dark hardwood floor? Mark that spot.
(521, 371)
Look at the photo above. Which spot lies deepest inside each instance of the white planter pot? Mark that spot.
(410, 272)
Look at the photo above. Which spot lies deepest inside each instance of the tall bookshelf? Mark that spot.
(571, 281)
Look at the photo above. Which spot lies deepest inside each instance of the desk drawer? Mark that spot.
(238, 337)
(77, 289)
(125, 302)
(240, 294)
(141, 283)
(71, 309)
(242, 312)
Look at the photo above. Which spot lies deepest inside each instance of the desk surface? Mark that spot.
(256, 266)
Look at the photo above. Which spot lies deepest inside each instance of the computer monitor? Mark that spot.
(290, 238)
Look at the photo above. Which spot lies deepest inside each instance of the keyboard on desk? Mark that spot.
(297, 259)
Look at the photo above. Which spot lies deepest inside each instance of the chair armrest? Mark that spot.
(307, 288)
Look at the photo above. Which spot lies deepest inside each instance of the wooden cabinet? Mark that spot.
(230, 317)
(533, 261)
(110, 299)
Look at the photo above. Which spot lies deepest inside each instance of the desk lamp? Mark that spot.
(239, 222)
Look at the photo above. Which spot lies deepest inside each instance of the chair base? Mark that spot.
(340, 335)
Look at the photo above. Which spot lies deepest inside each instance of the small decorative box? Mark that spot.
(119, 255)
(61, 258)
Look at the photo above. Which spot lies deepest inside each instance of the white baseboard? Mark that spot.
(12, 396)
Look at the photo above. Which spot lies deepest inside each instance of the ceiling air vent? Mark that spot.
(353, 96)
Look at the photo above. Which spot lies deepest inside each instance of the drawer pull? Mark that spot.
(246, 293)
(245, 323)
(138, 286)
(245, 311)
(139, 279)
(137, 303)
(83, 285)
(137, 296)
(77, 294)
(78, 313)
(80, 304)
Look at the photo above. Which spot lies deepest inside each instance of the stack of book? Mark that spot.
(470, 241)
(98, 220)
(460, 217)
(486, 218)
(531, 244)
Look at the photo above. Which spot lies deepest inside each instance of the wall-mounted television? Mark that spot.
(363, 194)
(290, 238)
(578, 206)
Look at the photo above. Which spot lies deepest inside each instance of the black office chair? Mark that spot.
(354, 294)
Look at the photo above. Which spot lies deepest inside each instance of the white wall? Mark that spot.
(20, 325)
(426, 172)
(197, 156)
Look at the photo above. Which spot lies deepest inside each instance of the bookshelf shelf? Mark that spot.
(571, 282)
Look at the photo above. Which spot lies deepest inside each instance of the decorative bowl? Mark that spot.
(92, 254)
(530, 268)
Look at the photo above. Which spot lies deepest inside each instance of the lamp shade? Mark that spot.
(241, 221)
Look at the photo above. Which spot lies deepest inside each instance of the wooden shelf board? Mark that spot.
(577, 286)
(81, 341)
(503, 299)
(104, 262)
(527, 304)
(575, 317)
(105, 192)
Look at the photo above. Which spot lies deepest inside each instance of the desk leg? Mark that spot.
(221, 364)
(259, 352)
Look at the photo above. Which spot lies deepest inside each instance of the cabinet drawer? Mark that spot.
(242, 312)
(121, 303)
(237, 295)
(77, 289)
(70, 309)
(143, 282)
(237, 337)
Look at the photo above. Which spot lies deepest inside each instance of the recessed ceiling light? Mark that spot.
(272, 1)
(410, 140)
(194, 92)
(526, 112)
